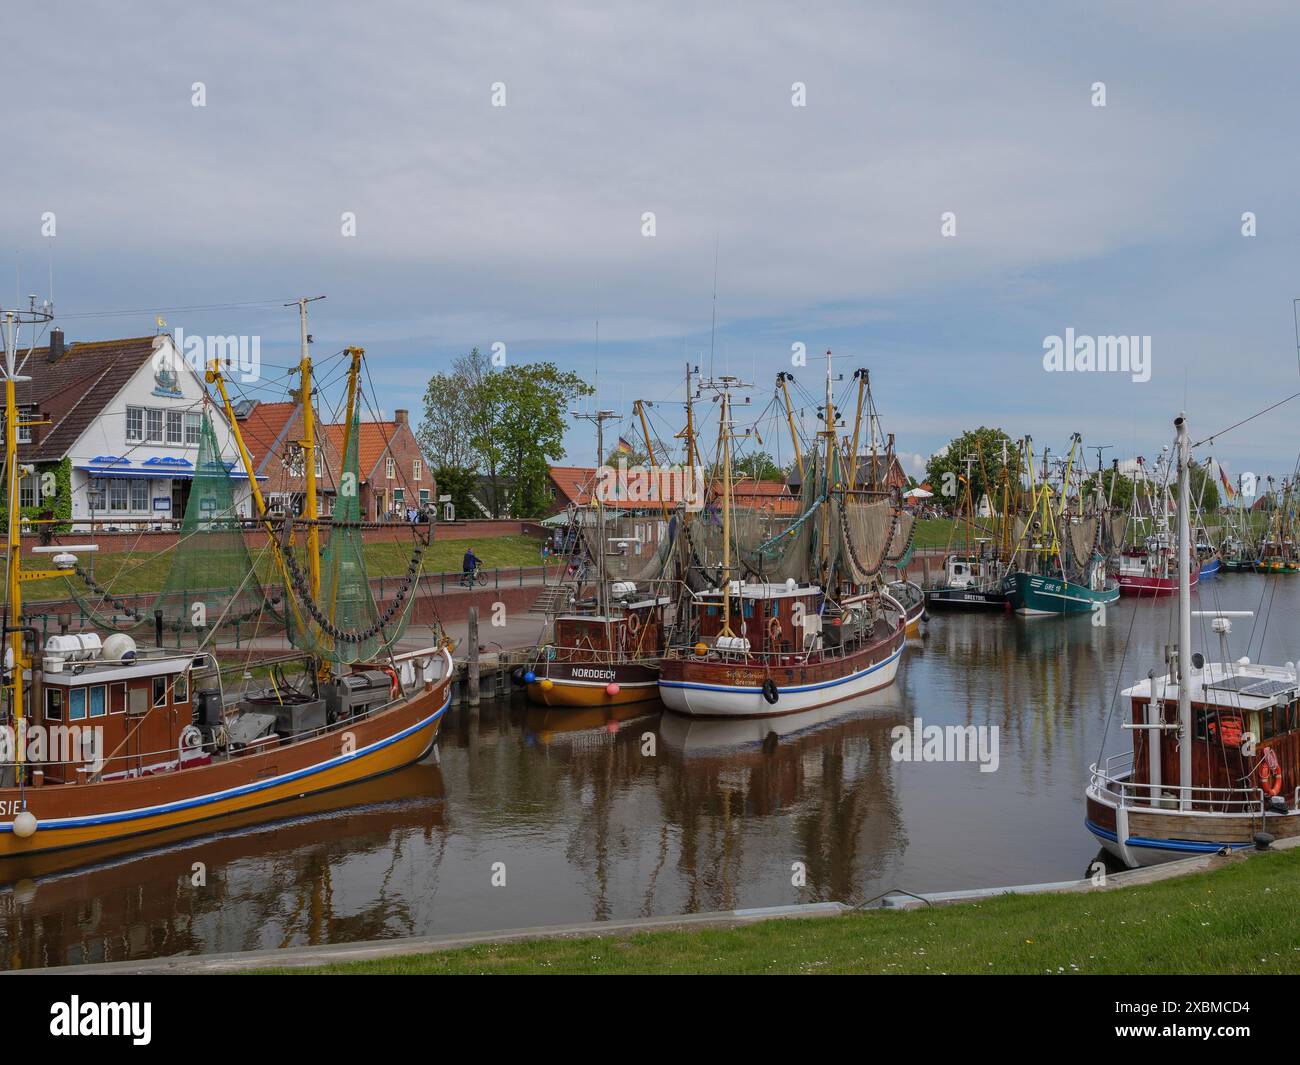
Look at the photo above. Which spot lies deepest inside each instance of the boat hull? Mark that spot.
(587, 684)
(1142, 836)
(967, 599)
(1153, 586)
(79, 815)
(703, 688)
(1032, 594)
(1209, 569)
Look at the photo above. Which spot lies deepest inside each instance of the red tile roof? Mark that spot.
(73, 390)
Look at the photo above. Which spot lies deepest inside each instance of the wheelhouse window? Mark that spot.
(53, 704)
(98, 701)
(181, 689)
(117, 697)
(160, 691)
(76, 704)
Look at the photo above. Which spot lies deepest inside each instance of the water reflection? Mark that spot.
(600, 814)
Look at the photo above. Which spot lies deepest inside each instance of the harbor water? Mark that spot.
(530, 817)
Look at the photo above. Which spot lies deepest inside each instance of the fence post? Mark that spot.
(471, 665)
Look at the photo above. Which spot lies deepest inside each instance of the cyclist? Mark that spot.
(469, 565)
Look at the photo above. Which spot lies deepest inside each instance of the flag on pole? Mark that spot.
(1227, 485)
(624, 447)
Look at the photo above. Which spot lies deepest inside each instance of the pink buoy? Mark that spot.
(611, 688)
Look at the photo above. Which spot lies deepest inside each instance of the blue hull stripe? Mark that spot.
(243, 789)
(1191, 846)
(796, 688)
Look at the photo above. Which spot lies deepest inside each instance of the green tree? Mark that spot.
(459, 483)
(635, 457)
(993, 457)
(1117, 487)
(759, 466)
(520, 431)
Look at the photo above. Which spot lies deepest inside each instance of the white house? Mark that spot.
(126, 414)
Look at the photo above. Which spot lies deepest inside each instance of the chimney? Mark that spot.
(56, 345)
(399, 416)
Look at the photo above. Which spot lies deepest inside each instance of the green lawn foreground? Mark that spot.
(1242, 918)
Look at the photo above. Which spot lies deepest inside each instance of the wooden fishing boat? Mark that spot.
(136, 740)
(1215, 758)
(831, 631)
(606, 631)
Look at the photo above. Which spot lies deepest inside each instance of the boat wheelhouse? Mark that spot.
(1214, 759)
(971, 581)
(1244, 768)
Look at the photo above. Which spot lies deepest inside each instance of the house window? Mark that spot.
(135, 423)
(27, 491)
(192, 423)
(160, 691)
(320, 466)
(399, 497)
(175, 427)
(54, 704)
(139, 495)
(95, 494)
(417, 469)
(390, 468)
(424, 496)
(76, 704)
(154, 426)
(117, 494)
(98, 702)
(25, 431)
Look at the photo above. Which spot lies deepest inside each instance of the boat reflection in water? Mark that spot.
(233, 883)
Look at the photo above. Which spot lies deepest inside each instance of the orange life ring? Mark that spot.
(774, 629)
(633, 624)
(1270, 773)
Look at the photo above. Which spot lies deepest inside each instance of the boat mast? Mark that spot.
(308, 445)
(782, 379)
(725, 414)
(1184, 621)
(831, 448)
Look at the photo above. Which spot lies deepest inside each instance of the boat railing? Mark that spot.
(1113, 780)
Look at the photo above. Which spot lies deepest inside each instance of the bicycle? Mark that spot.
(468, 580)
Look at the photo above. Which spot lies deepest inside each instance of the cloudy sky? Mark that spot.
(522, 225)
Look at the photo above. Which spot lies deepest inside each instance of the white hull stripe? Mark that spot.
(736, 690)
(243, 789)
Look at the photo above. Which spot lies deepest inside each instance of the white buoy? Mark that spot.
(24, 824)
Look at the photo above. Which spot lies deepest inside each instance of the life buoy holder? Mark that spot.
(774, 629)
(770, 692)
(1270, 773)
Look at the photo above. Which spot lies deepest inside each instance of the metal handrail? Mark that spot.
(1125, 790)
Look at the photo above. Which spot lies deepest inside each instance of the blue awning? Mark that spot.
(153, 473)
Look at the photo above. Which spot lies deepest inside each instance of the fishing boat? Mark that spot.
(974, 569)
(1060, 561)
(1214, 760)
(1150, 567)
(138, 739)
(606, 630)
(828, 632)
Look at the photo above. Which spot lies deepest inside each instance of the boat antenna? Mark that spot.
(713, 328)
